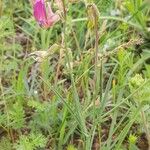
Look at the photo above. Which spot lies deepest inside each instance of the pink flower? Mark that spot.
(43, 14)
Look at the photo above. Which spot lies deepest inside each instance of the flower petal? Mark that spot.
(40, 11)
(52, 18)
(43, 14)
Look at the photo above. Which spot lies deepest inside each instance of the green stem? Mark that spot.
(75, 94)
(146, 127)
(96, 78)
(110, 18)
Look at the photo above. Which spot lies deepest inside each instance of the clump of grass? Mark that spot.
(82, 90)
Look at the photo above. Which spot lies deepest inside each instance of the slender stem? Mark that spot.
(100, 87)
(64, 10)
(110, 18)
(96, 78)
(76, 98)
(96, 63)
(77, 42)
(145, 123)
(9, 130)
(1, 8)
(96, 48)
(58, 67)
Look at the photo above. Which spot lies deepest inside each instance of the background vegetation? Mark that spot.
(93, 92)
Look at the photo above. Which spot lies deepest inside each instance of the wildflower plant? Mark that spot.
(80, 90)
(143, 95)
(141, 98)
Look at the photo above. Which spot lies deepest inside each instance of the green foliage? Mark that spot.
(138, 10)
(17, 116)
(5, 144)
(37, 105)
(31, 142)
(143, 95)
(132, 142)
(71, 147)
(89, 92)
(104, 4)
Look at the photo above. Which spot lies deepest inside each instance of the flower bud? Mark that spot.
(137, 81)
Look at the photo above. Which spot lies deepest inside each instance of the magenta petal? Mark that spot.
(40, 11)
(53, 19)
(49, 9)
(43, 14)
